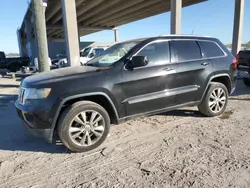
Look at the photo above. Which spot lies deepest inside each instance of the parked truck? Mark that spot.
(13, 64)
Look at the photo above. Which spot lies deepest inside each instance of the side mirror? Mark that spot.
(91, 55)
(137, 61)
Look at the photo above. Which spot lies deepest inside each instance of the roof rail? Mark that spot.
(184, 35)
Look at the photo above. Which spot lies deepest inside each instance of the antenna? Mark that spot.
(192, 32)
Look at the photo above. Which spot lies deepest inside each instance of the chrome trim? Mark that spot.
(161, 94)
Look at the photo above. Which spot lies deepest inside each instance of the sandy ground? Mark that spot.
(175, 149)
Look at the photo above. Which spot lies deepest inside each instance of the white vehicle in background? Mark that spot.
(89, 53)
(86, 54)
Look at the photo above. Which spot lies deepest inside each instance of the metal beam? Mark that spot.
(133, 13)
(115, 9)
(80, 10)
(105, 5)
(148, 5)
(138, 15)
(80, 27)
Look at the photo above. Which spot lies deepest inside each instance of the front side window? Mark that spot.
(186, 50)
(157, 53)
(85, 52)
(113, 54)
(211, 49)
(97, 51)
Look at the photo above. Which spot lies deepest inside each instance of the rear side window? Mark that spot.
(186, 50)
(210, 49)
(157, 53)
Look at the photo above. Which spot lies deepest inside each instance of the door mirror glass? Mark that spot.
(138, 61)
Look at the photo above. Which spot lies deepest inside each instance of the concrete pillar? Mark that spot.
(71, 32)
(116, 34)
(176, 9)
(20, 42)
(238, 24)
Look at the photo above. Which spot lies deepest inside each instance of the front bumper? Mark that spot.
(33, 124)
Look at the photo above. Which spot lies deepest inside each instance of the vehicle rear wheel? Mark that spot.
(215, 101)
(246, 82)
(83, 126)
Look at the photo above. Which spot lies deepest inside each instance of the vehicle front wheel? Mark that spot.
(246, 82)
(215, 101)
(83, 126)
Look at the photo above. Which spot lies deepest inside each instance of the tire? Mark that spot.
(207, 108)
(69, 121)
(246, 81)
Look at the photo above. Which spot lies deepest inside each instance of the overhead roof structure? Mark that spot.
(97, 15)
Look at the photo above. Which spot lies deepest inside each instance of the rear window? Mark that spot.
(2, 56)
(245, 54)
(186, 50)
(210, 49)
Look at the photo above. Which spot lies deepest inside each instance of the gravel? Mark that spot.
(175, 149)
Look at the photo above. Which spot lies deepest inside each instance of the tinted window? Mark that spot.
(157, 53)
(2, 56)
(98, 51)
(186, 50)
(210, 49)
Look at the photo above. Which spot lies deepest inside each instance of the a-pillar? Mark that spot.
(176, 9)
(238, 24)
(116, 34)
(71, 32)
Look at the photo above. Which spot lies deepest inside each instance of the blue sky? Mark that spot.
(213, 18)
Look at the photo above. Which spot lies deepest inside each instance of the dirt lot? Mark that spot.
(175, 149)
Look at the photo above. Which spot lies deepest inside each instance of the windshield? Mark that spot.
(112, 54)
(85, 52)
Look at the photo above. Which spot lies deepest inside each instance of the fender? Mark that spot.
(210, 80)
(75, 97)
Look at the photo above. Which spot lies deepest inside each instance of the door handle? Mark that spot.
(168, 69)
(204, 63)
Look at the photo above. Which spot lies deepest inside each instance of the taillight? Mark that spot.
(235, 61)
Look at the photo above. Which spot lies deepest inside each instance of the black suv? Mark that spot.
(130, 79)
(243, 63)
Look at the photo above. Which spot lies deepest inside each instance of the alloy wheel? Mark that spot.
(87, 128)
(217, 100)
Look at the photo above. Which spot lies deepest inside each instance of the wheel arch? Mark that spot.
(98, 97)
(221, 78)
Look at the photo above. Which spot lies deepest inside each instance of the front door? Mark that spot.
(151, 87)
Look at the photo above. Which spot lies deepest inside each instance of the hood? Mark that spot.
(63, 74)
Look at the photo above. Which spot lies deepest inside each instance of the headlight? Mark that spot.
(32, 93)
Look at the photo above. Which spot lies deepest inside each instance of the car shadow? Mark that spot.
(14, 137)
(183, 113)
(8, 86)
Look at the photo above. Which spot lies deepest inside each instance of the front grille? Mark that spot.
(21, 95)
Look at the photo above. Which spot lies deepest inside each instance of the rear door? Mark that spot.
(193, 70)
(151, 87)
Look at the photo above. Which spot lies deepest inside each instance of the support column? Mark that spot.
(116, 33)
(41, 35)
(238, 24)
(176, 12)
(71, 32)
